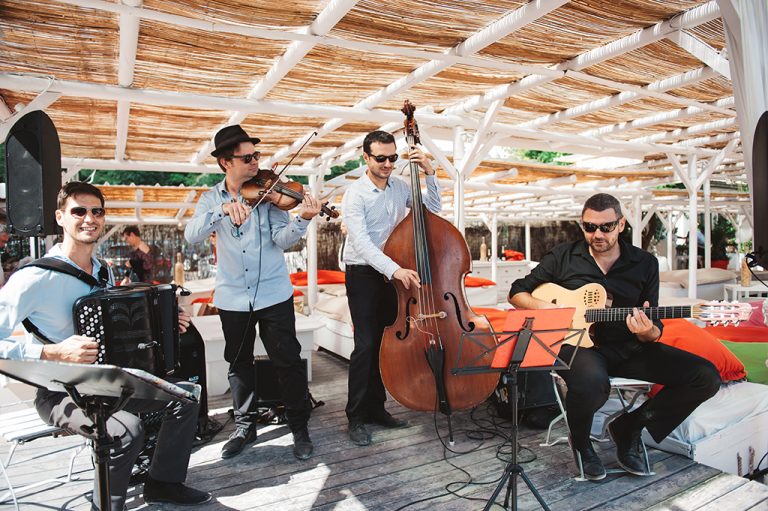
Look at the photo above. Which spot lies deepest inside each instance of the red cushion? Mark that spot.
(203, 299)
(739, 333)
(684, 335)
(513, 255)
(296, 292)
(470, 281)
(323, 277)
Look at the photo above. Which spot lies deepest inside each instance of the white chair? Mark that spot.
(626, 391)
(23, 426)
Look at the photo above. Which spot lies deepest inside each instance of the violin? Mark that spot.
(287, 194)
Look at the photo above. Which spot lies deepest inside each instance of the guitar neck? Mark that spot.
(620, 313)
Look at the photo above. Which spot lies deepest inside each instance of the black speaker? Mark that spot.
(760, 190)
(33, 175)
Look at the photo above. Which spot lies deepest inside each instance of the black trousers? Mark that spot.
(174, 442)
(688, 381)
(277, 330)
(372, 305)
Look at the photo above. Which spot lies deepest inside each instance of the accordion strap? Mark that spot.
(55, 264)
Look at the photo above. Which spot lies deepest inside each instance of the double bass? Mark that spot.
(419, 350)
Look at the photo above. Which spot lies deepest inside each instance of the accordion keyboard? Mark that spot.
(91, 323)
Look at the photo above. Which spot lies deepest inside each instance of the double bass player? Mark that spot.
(373, 206)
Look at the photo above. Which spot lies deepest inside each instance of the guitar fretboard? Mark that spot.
(620, 313)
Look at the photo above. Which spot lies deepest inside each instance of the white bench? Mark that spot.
(216, 367)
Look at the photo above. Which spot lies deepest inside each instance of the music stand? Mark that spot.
(514, 353)
(100, 391)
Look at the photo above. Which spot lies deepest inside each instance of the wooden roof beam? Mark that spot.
(673, 82)
(334, 11)
(499, 29)
(657, 118)
(694, 130)
(638, 39)
(702, 51)
(129, 41)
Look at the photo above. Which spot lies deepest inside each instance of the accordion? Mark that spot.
(136, 326)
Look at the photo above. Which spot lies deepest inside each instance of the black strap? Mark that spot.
(54, 264)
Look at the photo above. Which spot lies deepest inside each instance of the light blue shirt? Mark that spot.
(251, 268)
(46, 297)
(371, 214)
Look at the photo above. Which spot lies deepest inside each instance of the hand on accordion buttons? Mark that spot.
(77, 348)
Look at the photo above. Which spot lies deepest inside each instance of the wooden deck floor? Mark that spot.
(400, 469)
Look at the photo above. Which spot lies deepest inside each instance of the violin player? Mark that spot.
(253, 287)
(373, 206)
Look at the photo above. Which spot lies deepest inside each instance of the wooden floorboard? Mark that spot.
(398, 470)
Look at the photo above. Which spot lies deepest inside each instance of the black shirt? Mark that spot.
(632, 280)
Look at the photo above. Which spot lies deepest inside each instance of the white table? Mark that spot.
(736, 292)
(216, 367)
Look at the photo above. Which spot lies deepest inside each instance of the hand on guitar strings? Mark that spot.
(407, 277)
(640, 325)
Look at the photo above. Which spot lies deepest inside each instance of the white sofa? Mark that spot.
(710, 283)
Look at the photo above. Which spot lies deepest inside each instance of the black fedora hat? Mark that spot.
(230, 136)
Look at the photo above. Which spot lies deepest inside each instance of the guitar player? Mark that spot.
(625, 349)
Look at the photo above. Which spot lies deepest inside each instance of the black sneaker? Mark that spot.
(589, 461)
(358, 434)
(156, 492)
(385, 419)
(302, 445)
(629, 446)
(242, 436)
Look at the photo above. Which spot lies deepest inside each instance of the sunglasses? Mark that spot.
(80, 212)
(248, 158)
(606, 227)
(381, 158)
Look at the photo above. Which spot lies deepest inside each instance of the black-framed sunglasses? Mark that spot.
(248, 158)
(381, 158)
(80, 212)
(606, 227)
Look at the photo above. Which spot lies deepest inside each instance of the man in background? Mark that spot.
(142, 259)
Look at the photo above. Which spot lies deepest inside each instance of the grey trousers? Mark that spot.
(174, 442)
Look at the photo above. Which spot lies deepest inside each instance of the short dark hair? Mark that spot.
(77, 188)
(226, 154)
(131, 229)
(382, 137)
(601, 202)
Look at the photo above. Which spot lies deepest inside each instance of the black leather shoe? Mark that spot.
(156, 492)
(629, 447)
(590, 462)
(384, 418)
(302, 445)
(237, 441)
(358, 434)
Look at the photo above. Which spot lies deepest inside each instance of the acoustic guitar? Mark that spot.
(589, 302)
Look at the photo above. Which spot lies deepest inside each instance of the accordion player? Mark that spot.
(136, 326)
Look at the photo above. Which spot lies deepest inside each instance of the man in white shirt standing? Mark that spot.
(373, 206)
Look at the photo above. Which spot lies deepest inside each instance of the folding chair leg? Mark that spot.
(10, 493)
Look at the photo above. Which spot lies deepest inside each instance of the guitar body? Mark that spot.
(590, 296)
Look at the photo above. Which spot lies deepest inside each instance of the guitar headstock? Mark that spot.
(722, 313)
